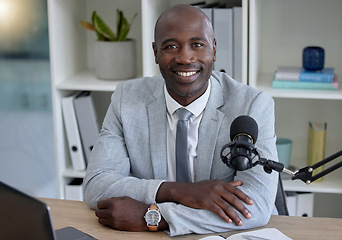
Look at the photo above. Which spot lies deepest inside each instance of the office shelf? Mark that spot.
(278, 30)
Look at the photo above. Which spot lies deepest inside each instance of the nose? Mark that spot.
(185, 56)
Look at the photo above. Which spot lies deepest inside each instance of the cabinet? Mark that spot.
(276, 32)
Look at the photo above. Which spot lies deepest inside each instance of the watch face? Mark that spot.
(152, 217)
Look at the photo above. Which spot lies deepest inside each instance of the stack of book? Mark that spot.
(299, 78)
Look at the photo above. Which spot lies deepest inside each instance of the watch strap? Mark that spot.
(153, 228)
(154, 207)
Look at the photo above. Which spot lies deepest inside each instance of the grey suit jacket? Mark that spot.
(129, 158)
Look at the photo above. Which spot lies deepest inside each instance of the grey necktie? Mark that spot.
(182, 159)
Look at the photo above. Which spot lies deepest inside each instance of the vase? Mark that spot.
(313, 58)
(115, 60)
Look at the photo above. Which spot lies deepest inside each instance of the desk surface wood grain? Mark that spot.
(76, 214)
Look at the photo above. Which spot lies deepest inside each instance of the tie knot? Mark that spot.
(183, 114)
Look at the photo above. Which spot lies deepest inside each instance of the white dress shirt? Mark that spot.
(196, 108)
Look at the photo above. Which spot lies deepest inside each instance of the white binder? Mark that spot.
(87, 122)
(237, 43)
(72, 133)
(223, 28)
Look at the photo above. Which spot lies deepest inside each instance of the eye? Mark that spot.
(169, 47)
(197, 45)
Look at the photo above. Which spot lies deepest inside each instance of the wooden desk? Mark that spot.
(77, 214)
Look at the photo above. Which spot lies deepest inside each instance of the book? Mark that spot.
(316, 145)
(265, 233)
(302, 75)
(306, 85)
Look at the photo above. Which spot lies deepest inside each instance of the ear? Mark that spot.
(214, 49)
(154, 47)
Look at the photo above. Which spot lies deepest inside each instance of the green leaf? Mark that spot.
(123, 35)
(119, 17)
(100, 37)
(104, 32)
(124, 27)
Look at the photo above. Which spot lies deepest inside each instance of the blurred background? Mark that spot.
(26, 127)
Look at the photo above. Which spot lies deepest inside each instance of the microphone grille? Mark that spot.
(244, 125)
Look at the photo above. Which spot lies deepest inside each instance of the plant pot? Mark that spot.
(115, 60)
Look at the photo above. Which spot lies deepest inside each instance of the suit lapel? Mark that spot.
(157, 131)
(211, 121)
(208, 132)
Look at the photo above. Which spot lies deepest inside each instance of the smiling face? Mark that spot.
(185, 50)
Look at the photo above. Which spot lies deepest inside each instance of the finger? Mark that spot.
(102, 217)
(236, 183)
(232, 200)
(229, 211)
(219, 211)
(105, 218)
(102, 203)
(105, 222)
(101, 213)
(238, 205)
(240, 194)
(229, 214)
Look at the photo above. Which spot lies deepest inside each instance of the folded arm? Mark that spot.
(217, 196)
(125, 213)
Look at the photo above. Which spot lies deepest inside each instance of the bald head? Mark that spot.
(183, 13)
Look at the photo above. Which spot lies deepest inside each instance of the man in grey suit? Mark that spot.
(132, 172)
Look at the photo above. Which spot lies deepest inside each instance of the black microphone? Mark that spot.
(243, 135)
(240, 153)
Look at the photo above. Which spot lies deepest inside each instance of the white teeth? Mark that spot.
(186, 74)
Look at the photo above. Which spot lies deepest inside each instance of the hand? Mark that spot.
(215, 195)
(122, 213)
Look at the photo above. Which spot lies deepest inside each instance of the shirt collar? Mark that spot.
(196, 107)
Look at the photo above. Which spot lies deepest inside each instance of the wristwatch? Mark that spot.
(152, 217)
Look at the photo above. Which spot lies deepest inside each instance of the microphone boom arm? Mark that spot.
(304, 174)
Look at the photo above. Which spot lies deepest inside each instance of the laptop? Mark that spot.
(25, 217)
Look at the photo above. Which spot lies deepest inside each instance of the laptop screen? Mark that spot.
(23, 217)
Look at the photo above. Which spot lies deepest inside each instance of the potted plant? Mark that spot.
(114, 53)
